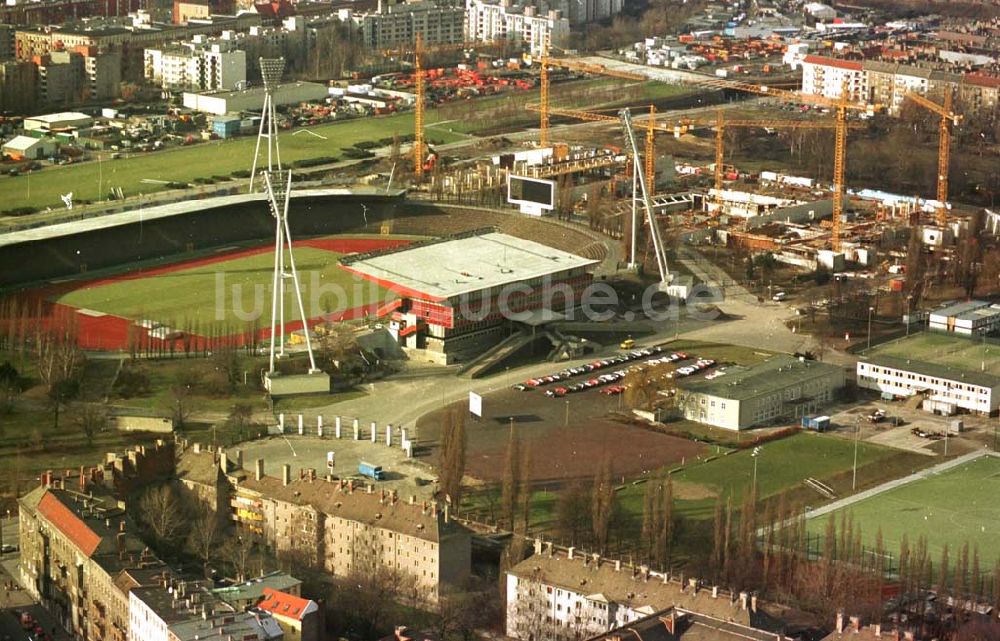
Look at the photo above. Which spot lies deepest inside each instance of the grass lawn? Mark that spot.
(945, 349)
(92, 180)
(783, 465)
(229, 292)
(954, 507)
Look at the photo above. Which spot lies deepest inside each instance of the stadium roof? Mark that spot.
(445, 269)
(772, 375)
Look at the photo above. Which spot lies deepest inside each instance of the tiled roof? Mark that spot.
(357, 505)
(85, 539)
(833, 62)
(982, 79)
(286, 605)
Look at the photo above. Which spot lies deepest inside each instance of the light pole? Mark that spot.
(871, 311)
(566, 422)
(857, 435)
(755, 455)
(909, 312)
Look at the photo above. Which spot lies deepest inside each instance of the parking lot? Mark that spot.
(902, 436)
(567, 433)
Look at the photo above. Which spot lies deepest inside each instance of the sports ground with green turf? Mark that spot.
(227, 293)
(954, 507)
(147, 173)
(945, 349)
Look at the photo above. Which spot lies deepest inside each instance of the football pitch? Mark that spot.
(954, 507)
(949, 350)
(229, 293)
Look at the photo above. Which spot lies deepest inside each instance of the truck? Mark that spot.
(816, 423)
(371, 471)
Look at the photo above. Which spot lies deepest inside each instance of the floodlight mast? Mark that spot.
(271, 70)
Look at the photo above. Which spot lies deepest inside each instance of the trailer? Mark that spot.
(816, 424)
(371, 471)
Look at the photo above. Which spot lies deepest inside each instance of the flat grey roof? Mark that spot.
(960, 308)
(772, 375)
(441, 270)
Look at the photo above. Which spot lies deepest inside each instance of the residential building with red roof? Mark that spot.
(79, 558)
(299, 618)
(826, 77)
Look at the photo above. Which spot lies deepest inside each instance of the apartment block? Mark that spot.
(345, 529)
(78, 557)
(563, 594)
(213, 68)
(502, 20)
(887, 83)
(18, 86)
(397, 25)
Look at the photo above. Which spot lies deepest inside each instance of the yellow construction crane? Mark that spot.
(651, 149)
(573, 65)
(948, 119)
(720, 124)
(840, 105)
(420, 90)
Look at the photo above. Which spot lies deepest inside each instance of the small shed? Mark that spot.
(28, 148)
(226, 126)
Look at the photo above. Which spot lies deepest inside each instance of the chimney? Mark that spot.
(447, 516)
(855, 624)
(223, 462)
(878, 630)
(121, 525)
(371, 488)
(286, 474)
(715, 592)
(538, 545)
(83, 480)
(743, 600)
(350, 486)
(381, 496)
(434, 509)
(693, 582)
(258, 466)
(596, 559)
(197, 448)
(618, 565)
(753, 602)
(569, 552)
(239, 459)
(413, 499)
(840, 622)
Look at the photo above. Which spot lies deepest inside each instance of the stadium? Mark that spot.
(201, 268)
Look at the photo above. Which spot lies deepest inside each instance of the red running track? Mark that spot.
(109, 332)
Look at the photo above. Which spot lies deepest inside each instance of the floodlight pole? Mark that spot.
(270, 71)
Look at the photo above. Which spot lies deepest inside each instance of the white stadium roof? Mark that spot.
(441, 270)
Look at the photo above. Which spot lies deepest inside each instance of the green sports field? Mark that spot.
(782, 465)
(950, 508)
(229, 293)
(949, 350)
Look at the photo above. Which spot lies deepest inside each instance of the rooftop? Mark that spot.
(286, 605)
(943, 355)
(627, 586)
(62, 115)
(444, 269)
(772, 375)
(673, 624)
(22, 143)
(373, 508)
(851, 65)
(254, 589)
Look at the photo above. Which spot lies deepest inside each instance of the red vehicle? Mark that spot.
(613, 390)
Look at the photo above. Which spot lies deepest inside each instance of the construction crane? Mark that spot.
(948, 120)
(419, 88)
(573, 65)
(659, 248)
(720, 124)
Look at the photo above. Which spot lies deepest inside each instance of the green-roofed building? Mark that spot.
(951, 373)
(781, 388)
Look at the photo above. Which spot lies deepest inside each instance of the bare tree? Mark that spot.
(204, 537)
(162, 513)
(511, 475)
(573, 512)
(602, 504)
(239, 550)
(91, 419)
(452, 456)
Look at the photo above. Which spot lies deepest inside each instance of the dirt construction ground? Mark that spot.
(559, 450)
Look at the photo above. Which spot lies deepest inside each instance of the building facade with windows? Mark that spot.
(343, 530)
(216, 67)
(566, 595)
(827, 76)
(540, 31)
(781, 388)
(949, 389)
(397, 25)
